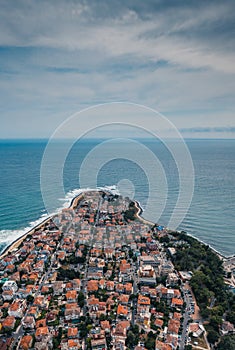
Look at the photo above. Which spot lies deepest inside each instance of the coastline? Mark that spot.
(74, 202)
(15, 244)
(139, 213)
(220, 255)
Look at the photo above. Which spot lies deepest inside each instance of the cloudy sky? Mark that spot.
(58, 57)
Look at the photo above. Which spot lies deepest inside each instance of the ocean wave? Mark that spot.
(9, 236)
(77, 191)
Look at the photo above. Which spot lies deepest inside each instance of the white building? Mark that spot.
(10, 286)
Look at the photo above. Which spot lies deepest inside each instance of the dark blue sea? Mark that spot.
(210, 217)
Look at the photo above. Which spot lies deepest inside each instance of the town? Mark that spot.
(98, 276)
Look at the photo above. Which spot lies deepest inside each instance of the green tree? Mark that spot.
(227, 342)
(131, 340)
(150, 341)
(212, 336)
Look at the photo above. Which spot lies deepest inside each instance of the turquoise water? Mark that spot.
(211, 214)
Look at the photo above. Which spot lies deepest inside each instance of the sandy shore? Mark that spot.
(75, 200)
(139, 213)
(17, 242)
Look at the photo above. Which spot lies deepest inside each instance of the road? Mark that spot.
(135, 290)
(186, 317)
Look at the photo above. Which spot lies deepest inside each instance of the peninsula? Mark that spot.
(99, 276)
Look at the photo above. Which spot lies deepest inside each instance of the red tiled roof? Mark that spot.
(72, 332)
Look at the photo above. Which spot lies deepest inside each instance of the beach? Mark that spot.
(16, 243)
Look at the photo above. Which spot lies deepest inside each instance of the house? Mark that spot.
(159, 345)
(28, 322)
(105, 325)
(177, 316)
(173, 326)
(101, 308)
(158, 323)
(109, 253)
(73, 344)
(10, 286)
(8, 260)
(98, 344)
(110, 302)
(92, 286)
(178, 303)
(77, 284)
(71, 296)
(33, 277)
(166, 267)
(92, 302)
(123, 299)
(110, 285)
(58, 288)
(159, 314)
(120, 288)
(120, 331)
(147, 275)
(26, 342)
(148, 260)
(143, 300)
(7, 295)
(68, 286)
(152, 293)
(15, 276)
(227, 328)
(39, 266)
(185, 275)
(45, 290)
(41, 323)
(72, 332)
(197, 329)
(42, 333)
(172, 339)
(15, 310)
(9, 323)
(72, 311)
(172, 279)
(128, 288)
(122, 310)
(102, 283)
(61, 255)
(22, 293)
(41, 345)
(24, 267)
(33, 311)
(125, 267)
(40, 302)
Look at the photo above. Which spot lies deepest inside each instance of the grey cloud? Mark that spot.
(175, 56)
(222, 129)
(179, 34)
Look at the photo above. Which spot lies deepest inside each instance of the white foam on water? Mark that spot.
(76, 192)
(9, 236)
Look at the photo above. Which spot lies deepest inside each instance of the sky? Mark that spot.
(58, 57)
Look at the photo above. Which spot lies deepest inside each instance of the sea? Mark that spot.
(210, 217)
